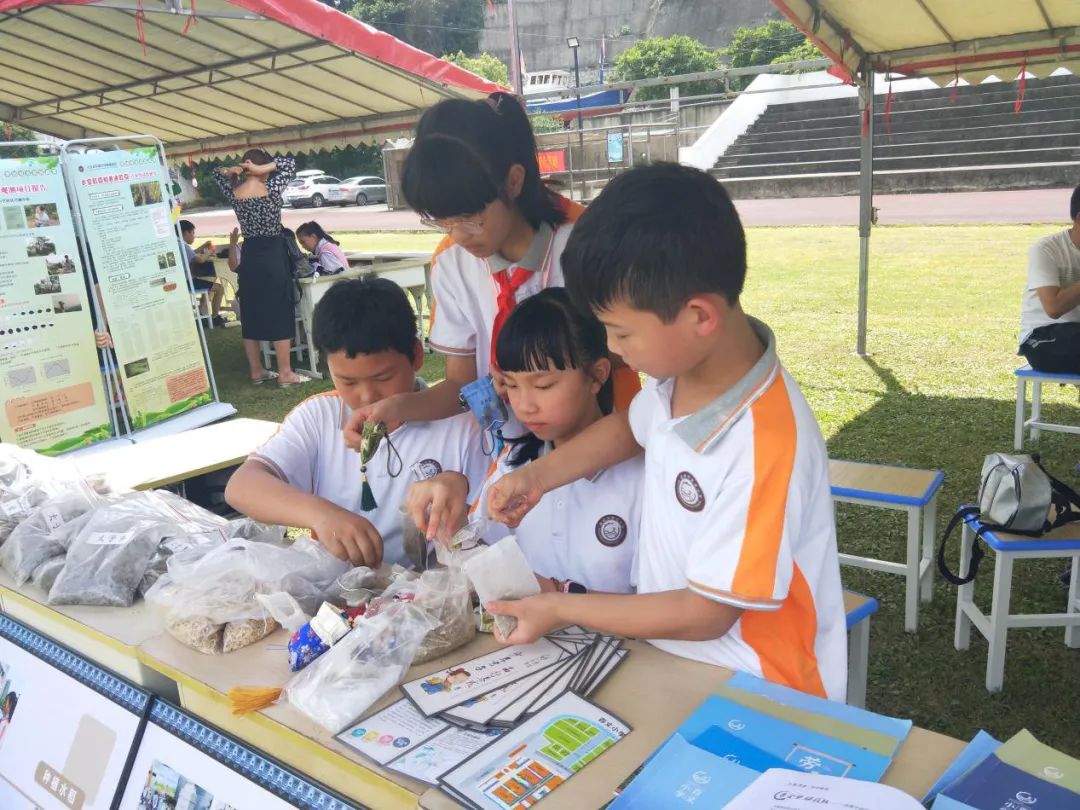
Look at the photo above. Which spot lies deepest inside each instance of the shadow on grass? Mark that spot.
(921, 675)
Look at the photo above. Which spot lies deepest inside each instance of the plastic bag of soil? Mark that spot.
(444, 593)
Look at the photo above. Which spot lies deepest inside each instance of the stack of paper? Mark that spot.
(1020, 773)
(753, 726)
(504, 729)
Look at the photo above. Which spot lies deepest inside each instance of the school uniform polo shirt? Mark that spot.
(586, 531)
(737, 507)
(308, 452)
(466, 294)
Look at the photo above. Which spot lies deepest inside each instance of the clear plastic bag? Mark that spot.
(445, 594)
(44, 533)
(112, 550)
(360, 585)
(502, 572)
(27, 480)
(351, 676)
(46, 573)
(207, 591)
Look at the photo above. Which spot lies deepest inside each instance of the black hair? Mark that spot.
(1074, 204)
(14, 701)
(463, 151)
(654, 238)
(315, 229)
(260, 157)
(364, 316)
(186, 225)
(547, 330)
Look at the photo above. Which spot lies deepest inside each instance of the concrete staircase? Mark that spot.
(978, 143)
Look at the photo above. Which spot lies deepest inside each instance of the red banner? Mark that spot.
(552, 162)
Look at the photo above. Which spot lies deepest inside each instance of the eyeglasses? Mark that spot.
(472, 226)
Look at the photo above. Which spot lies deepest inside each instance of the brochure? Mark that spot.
(993, 784)
(447, 749)
(389, 733)
(784, 790)
(529, 762)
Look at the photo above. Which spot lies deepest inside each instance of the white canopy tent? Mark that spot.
(217, 78)
(943, 40)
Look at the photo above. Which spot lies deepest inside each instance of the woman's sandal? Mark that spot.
(300, 381)
(269, 375)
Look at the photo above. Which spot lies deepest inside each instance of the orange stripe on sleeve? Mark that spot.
(443, 246)
(487, 477)
(784, 639)
(774, 458)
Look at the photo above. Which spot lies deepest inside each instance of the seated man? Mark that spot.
(203, 275)
(1050, 317)
(305, 476)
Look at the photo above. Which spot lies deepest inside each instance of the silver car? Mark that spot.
(310, 189)
(359, 190)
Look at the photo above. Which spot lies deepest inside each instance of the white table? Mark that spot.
(411, 274)
(1061, 542)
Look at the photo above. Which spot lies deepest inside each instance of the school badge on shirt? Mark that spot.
(611, 530)
(688, 492)
(428, 468)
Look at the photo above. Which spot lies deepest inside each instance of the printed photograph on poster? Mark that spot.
(14, 219)
(146, 193)
(59, 265)
(9, 700)
(68, 302)
(47, 286)
(39, 246)
(136, 367)
(23, 375)
(166, 789)
(41, 215)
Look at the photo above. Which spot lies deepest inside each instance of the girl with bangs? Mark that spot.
(473, 173)
(582, 536)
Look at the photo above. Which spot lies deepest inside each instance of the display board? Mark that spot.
(53, 396)
(67, 727)
(139, 265)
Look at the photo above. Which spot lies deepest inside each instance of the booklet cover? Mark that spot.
(1025, 752)
(681, 773)
(802, 749)
(723, 743)
(993, 784)
(529, 762)
(980, 747)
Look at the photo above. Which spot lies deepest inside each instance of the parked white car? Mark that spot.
(359, 190)
(311, 187)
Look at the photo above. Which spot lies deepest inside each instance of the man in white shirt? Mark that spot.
(305, 476)
(1050, 316)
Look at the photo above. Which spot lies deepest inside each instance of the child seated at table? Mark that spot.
(737, 564)
(305, 476)
(584, 535)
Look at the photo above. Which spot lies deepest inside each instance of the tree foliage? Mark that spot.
(657, 57)
(544, 122)
(13, 132)
(775, 42)
(485, 65)
(435, 26)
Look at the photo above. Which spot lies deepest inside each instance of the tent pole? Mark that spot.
(866, 196)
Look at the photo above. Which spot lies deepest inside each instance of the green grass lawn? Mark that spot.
(936, 392)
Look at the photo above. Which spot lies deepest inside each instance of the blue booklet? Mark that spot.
(980, 747)
(993, 784)
(800, 748)
(726, 745)
(680, 772)
(890, 726)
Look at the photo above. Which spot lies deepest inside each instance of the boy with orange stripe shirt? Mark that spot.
(737, 564)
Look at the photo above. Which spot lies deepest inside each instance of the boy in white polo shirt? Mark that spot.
(737, 558)
(305, 476)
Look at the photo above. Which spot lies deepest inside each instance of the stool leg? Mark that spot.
(1021, 406)
(929, 529)
(999, 622)
(1072, 634)
(964, 595)
(858, 663)
(1036, 407)
(264, 347)
(911, 586)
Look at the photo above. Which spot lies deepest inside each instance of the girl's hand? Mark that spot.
(536, 616)
(234, 237)
(382, 411)
(437, 506)
(514, 495)
(103, 340)
(232, 171)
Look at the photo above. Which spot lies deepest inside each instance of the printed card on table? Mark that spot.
(529, 762)
(391, 732)
(454, 685)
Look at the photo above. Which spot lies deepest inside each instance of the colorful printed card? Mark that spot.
(391, 732)
(434, 757)
(529, 762)
(454, 685)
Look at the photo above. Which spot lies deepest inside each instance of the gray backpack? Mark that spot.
(1017, 496)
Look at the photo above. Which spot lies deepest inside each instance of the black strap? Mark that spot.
(1065, 500)
(976, 550)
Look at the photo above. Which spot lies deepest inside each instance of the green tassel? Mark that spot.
(367, 497)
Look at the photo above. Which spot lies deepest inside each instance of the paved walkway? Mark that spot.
(983, 207)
